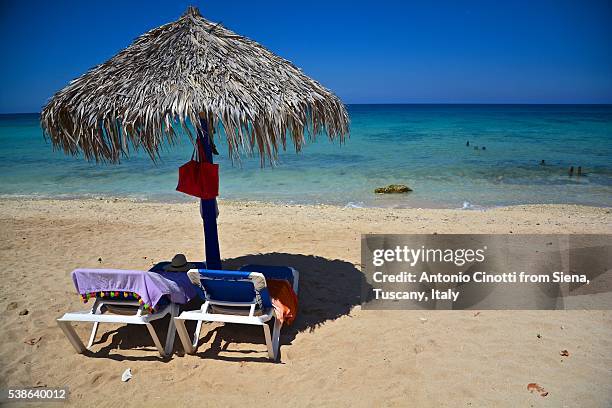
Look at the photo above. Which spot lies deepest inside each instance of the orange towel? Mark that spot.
(284, 299)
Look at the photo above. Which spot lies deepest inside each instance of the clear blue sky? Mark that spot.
(455, 51)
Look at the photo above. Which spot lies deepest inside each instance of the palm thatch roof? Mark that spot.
(183, 71)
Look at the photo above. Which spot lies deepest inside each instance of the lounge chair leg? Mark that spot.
(95, 309)
(272, 343)
(171, 331)
(184, 336)
(155, 339)
(92, 337)
(196, 335)
(198, 330)
(276, 336)
(72, 336)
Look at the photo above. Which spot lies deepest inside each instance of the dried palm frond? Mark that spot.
(182, 72)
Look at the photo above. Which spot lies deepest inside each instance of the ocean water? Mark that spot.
(423, 146)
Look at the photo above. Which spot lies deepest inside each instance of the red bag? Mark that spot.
(199, 179)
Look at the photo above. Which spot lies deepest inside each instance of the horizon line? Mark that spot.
(431, 104)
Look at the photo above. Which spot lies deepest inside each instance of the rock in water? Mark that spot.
(393, 189)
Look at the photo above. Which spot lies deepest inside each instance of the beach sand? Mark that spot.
(335, 354)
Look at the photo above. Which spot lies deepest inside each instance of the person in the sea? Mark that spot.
(467, 143)
(571, 171)
(543, 163)
(484, 148)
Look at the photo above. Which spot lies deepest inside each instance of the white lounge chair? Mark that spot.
(122, 312)
(236, 297)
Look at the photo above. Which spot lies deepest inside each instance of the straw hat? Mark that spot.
(179, 264)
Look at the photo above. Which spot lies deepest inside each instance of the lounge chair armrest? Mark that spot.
(276, 272)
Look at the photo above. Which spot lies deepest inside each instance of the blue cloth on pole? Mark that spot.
(208, 208)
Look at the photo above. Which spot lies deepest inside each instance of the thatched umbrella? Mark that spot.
(192, 72)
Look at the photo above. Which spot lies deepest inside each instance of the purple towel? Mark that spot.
(150, 286)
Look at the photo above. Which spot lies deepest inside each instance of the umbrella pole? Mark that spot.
(208, 209)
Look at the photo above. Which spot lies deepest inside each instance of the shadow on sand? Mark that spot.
(328, 289)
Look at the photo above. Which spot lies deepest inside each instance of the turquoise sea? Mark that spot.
(423, 146)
